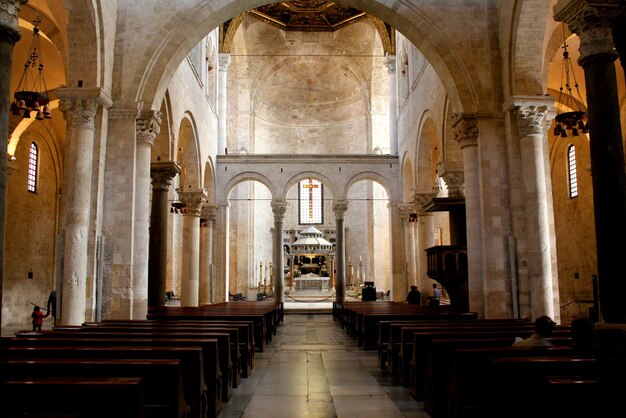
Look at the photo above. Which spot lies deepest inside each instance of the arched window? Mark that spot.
(33, 160)
(310, 202)
(571, 171)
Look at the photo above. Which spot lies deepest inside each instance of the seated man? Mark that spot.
(414, 297)
(544, 325)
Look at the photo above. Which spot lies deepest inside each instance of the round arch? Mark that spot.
(426, 154)
(327, 182)
(188, 152)
(455, 65)
(242, 177)
(408, 179)
(375, 177)
(209, 181)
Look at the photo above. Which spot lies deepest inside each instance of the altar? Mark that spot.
(312, 282)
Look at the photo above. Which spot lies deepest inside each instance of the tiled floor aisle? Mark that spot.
(311, 369)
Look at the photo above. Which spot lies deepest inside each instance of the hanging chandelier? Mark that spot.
(31, 94)
(570, 116)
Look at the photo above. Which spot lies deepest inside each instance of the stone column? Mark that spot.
(222, 102)
(466, 133)
(80, 107)
(390, 62)
(162, 174)
(426, 239)
(530, 114)
(148, 127)
(279, 207)
(9, 35)
(398, 273)
(221, 280)
(190, 282)
(406, 212)
(207, 220)
(592, 22)
(340, 207)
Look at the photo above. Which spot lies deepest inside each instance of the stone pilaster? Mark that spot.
(279, 207)
(408, 214)
(592, 21)
(190, 274)
(162, 174)
(466, 133)
(9, 35)
(148, 125)
(222, 102)
(207, 221)
(339, 208)
(390, 63)
(529, 113)
(398, 266)
(80, 107)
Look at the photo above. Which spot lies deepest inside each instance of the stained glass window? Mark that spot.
(310, 202)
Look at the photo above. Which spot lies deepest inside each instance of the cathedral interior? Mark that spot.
(198, 152)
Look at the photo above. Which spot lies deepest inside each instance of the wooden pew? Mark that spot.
(246, 333)
(514, 383)
(94, 397)
(207, 340)
(203, 393)
(469, 375)
(162, 380)
(438, 373)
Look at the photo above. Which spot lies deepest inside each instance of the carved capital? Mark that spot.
(80, 113)
(224, 61)
(9, 31)
(592, 21)
(162, 174)
(209, 212)
(530, 120)
(408, 212)
(279, 207)
(148, 127)
(193, 200)
(339, 208)
(390, 63)
(454, 177)
(420, 199)
(465, 130)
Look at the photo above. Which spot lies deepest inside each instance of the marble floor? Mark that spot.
(312, 369)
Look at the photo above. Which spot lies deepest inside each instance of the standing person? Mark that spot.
(37, 316)
(435, 299)
(52, 306)
(414, 297)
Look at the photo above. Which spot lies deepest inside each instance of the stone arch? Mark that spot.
(408, 179)
(209, 180)
(163, 148)
(188, 154)
(326, 181)
(427, 144)
(526, 66)
(375, 177)
(456, 66)
(246, 176)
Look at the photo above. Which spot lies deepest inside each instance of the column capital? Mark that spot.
(408, 212)
(420, 199)
(224, 61)
(148, 126)
(465, 129)
(279, 207)
(162, 174)
(340, 207)
(592, 21)
(9, 31)
(390, 63)
(193, 200)
(531, 113)
(453, 175)
(80, 105)
(209, 212)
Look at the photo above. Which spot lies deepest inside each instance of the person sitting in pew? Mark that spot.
(544, 325)
(414, 297)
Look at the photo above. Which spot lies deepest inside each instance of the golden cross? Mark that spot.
(310, 186)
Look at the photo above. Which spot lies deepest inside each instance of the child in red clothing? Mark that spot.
(37, 316)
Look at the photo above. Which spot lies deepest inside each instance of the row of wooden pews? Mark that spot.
(464, 367)
(169, 365)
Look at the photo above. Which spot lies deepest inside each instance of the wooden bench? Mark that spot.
(162, 380)
(94, 397)
(203, 388)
